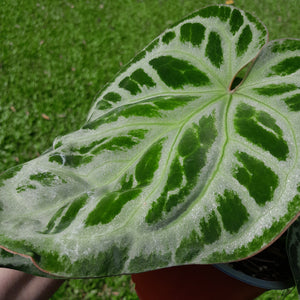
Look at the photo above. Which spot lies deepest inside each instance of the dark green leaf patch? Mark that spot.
(260, 27)
(138, 110)
(52, 261)
(244, 41)
(207, 130)
(177, 73)
(107, 100)
(112, 97)
(86, 149)
(70, 160)
(116, 143)
(126, 182)
(175, 176)
(148, 164)
(156, 211)
(285, 45)
(210, 228)
(56, 157)
(71, 213)
(57, 145)
(189, 248)
(247, 123)
(276, 89)
(165, 202)
(122, 142)
(137, 58)
(45, 178)
(293, 102)
(142, 78)
(214, 49)
(141, 110)
(286, 67)
(130, 85)
(152, 45)
(52, 221)
(193, 33)
(188, 143)
(257, 178)
(107, 208)
(138, 133)
(5, 254)
(103, 104)
(168, 37)
(110, 206)
(193, 148)
(135, 81)
(208, 12)
(68, 217)
(25, 187)
(109, 261)
(170, 103)
(222, 12)
(265, 119)
(9, 174)
(236, 21)
(194, 162)
(109, 117)
(233, 213)
(149, 262)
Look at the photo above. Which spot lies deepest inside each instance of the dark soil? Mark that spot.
(271, 264)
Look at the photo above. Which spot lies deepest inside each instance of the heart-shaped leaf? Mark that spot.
(178, 163)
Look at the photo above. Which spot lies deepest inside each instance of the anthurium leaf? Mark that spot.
(174, 165)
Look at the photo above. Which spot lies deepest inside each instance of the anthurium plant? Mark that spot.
(190, 155)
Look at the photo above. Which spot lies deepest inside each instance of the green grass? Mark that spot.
(114, 288)
(290, 294)
(56, 55)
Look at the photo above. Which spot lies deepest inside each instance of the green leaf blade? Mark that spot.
(171, 167)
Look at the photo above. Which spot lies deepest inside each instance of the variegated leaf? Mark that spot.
(174, 165)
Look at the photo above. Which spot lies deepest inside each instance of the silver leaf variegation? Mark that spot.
(178, 163)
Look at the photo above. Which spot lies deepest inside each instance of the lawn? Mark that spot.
(55, 57)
